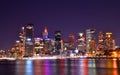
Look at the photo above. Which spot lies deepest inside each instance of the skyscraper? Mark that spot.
(57, 41)
(22, 40)
(71, 42)
(101, 43)
(101, 37)
(29, 45)
(109, 42)
(37, 47)
(90, 36)
(46, 41)
(81, 43)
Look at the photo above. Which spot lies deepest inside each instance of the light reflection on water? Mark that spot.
(61, 67)
(29, 67)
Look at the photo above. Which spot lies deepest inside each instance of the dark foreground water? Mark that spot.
(61, 67)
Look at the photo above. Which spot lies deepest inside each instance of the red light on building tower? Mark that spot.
(45, 33)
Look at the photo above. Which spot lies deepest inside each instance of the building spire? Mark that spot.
(45, 30)
(45, 33)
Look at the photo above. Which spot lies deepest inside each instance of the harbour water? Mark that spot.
(77, 66)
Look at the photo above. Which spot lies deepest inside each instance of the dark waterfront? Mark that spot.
(60, 67)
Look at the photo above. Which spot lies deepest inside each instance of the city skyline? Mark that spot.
(67, 16)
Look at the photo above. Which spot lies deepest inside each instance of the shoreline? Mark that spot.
(58, 57)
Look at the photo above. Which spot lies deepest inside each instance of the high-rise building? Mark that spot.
(109, 42)
(47, 41)
(81, 38)
(22, 40)
(90, 36)
(22, 34)
(17, 49)
(92, 45)
(81, 46)
(101, 37)
(38, 46)
(71, 42)
(29, 45)
(101, 41)
(57, 41)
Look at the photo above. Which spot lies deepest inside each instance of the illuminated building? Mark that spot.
(38, 46)
(29, 40)
(114, 44)
(101, 41)
(47, 46)
(101, 38)
(81, 46)
(22, 40)
(17, 50)
(21, 35)
(57, 41)
(71, 42)
(92, 45)
(90, 36)
(109, 42)
(46, 41)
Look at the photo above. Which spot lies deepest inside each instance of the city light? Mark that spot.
(83, 45)
(29, 39)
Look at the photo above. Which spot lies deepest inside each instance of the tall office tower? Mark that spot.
(19, 49)
(109, 42)
(81, 42)
(90, 36)
(57, 41)
(22, 40)
(71, 42)
(37, 47)
(46, 41)
(29, 45)
(101, 41)
(21, 35)
(92, 45)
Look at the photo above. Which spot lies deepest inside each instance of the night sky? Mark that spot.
(69, 16)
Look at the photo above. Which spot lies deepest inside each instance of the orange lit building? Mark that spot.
(109, 42)
(71, 42)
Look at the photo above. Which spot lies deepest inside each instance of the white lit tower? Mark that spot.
(81, 43)
(90, 40)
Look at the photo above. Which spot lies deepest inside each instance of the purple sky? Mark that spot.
(69, 16)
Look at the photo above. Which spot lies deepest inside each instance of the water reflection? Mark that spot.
(38, 68)
(82, 69)
(61, 67)
(115, 71)
(29, 67)
(47, 67)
